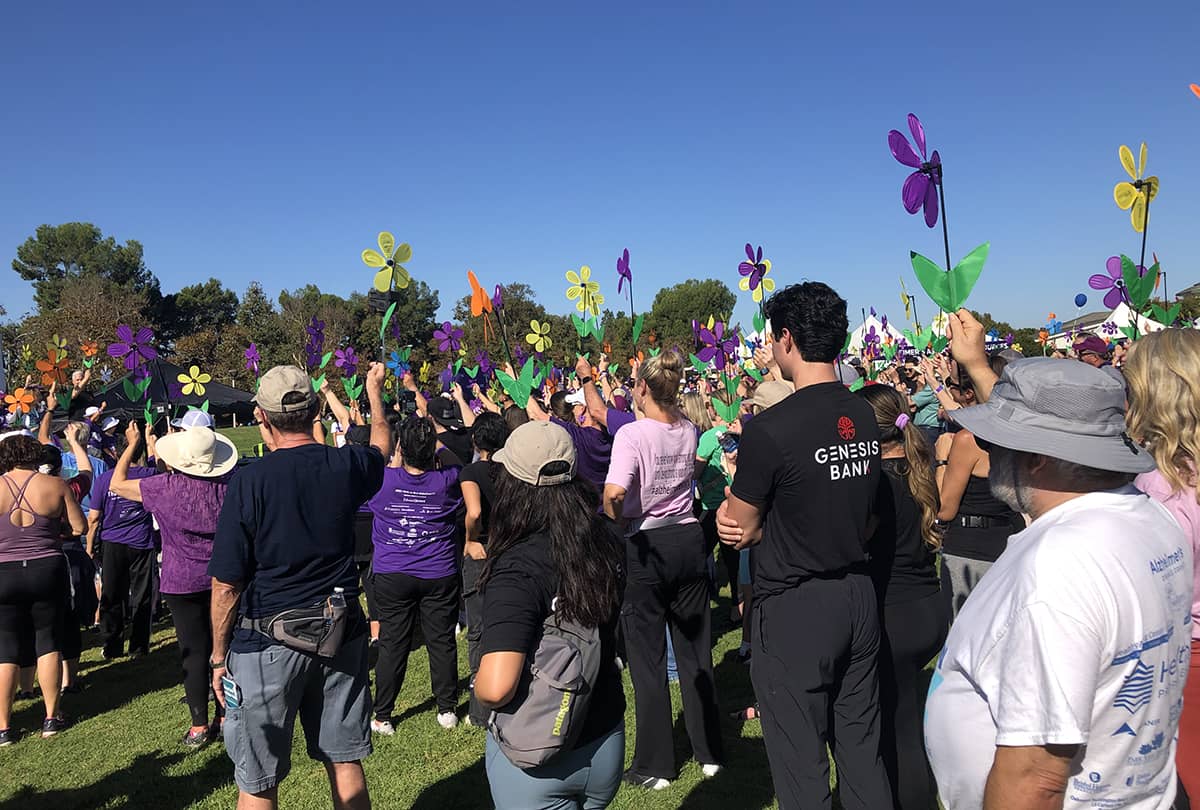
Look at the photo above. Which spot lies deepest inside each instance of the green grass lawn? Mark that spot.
(125, 751)
(244, 438)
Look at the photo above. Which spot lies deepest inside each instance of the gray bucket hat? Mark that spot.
(1069, 411)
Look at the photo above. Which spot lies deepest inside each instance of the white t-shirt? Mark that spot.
(1078, 635)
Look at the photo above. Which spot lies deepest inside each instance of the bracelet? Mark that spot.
(939, 389)
(941, 462)
(216, 665)
(584, 380)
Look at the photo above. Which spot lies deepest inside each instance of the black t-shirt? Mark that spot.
(458, 442)
(902, 565)
(516, 602)
(286, 529)
(812, 463)
(480, 474)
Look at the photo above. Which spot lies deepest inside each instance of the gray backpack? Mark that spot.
(551, 703)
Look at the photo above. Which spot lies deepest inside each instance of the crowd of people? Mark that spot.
(968, 576)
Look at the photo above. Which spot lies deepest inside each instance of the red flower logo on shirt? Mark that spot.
(845, 428)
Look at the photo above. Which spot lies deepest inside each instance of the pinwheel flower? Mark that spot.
(754, 274)
(1135, 196)
(53, 368)
(106, 375)
(1053, 324)
(623, 272)
(716, 346)
(498, 299)
(1043, 336)
(252, 358)
(19, 401)
(583, 291)
(89, 348)
(941, 322)
(1109, 328)
(484, 363)
(539, 336)
(316, 341)
(871, 341)
(920, 187)
(1112, 281)
(446, 377)
(389, 259)
(397, 364)
(57, 344)
(136, 349)
(448, 336)
(193, 381)
(346, 360)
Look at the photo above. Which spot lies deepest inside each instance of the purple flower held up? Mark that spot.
(1112, 281)
(448, 336)
(920, 187)
(498, 299)
(485, 366)
(252, 358)
(754, 267)
(136, 349)
(346, 360)
(446, 377)
(623, 272)
(716, 346)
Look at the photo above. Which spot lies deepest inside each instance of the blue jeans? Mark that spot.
(584, 779)
(672, 669)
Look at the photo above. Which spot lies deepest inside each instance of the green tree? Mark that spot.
(219, 352)
(412, 323)
(57, 254)
(675, 307)
(263, 326)
(198, 307)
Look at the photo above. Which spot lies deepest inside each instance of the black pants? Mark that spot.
(474, 601)
(81, 601)
(667, 585)
(34, 595)
(913, 632)
(192, 615)
(728, 555)
(128, 578)
(399, 599)
(815, 673)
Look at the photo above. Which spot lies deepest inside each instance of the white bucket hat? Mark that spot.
(199, 452)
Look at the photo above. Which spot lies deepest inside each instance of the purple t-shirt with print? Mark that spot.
(593, 450)
(415, 521)
(186, 510)
(121, 520)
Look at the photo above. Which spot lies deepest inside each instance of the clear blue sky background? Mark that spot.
(272, 141)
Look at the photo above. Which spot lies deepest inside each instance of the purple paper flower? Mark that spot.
(519, 355)
(316, 342)
(498, 299)
(755, 268)
(252, 358)
(1112, 281)
(1109, 328)
(106, 375)
(346, 360)
(136, 349)
(623, 272)
(448, 336)
(920, 187)
(485, 366)
(446, 377)
(716, 346)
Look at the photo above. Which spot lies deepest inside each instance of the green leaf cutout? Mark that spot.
(1130, 332)
(148, 414)
(699, 364)
(132, 393)
(760, 322)
(754, 372)
(655, 352)
(637, 327)
(727, 412)
(731, 384)
(613, 368)
(1138, 288)
(939, 343)
(318, 382)
(387, 318)
(522, 386)
(889, 350)
(325, 359)
(849, 335)
(857, 384)
(581, 326)
(950, 290)
(1166, 316)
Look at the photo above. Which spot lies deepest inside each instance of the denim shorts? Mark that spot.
(332, 696)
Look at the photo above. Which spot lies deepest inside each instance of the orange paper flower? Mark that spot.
(53, 368)
(19, 401)
(89, 348)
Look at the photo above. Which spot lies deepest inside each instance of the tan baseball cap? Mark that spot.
(280, 381)
(771, 393)
(532, 448)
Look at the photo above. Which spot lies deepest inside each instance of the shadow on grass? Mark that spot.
(466, 790)
(145, 783)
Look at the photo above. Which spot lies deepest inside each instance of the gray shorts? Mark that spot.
(331, 695)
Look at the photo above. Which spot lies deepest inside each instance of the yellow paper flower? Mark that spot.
(765, 284)
(426, 371)
(389, 258)
(194, 381)
(539, 334)
(941, 322)
(583, 291)
(1135, 196)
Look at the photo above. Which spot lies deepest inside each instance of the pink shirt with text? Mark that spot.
(654, 461)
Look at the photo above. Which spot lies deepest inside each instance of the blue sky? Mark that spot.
(271, 142)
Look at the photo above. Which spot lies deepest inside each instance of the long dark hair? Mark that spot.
(587, 554)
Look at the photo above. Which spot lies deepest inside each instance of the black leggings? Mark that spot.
(913, 632)
(192, 615)
(34, 596)
(400, 600)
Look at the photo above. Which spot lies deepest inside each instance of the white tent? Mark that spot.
(1110, 327)
(856, 337)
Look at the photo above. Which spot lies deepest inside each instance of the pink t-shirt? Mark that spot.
(1183, 506)
(654, 461)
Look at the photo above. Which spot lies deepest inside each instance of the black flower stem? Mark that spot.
(945, 229)
(632, 314)
(1145, 229)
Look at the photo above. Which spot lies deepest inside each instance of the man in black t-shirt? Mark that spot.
(285, 541)
(807, 473)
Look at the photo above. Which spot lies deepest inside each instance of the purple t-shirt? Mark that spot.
(415, 521)
(593, 450)
(122, 520)
(186, 510)
(619, 419)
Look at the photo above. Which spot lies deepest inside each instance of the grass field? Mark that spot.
(124, 750)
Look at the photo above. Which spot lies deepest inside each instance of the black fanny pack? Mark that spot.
(318, 629)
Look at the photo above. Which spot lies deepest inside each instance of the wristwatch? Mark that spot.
(584, 380)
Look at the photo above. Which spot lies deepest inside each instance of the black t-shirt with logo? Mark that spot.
(812, 463)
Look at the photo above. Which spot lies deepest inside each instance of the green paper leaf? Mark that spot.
(1166, 316)
(132, 392)
(204, 406)
(760, 322)
(939, 343)
(699, 364)
(87, 363)
(325, 359)
(857, 384)
(1138, 288)
(655, 352)
(727, 412)
(64, 399)
(637, 328)
(612, 368)
(387, 318)
(521, 387)
(731, 383)
(849, 336)
(318, 382)
(950, 290)
(457, 366)
(148, 414)
(1130, 332)
(348, 387)
(472, 372)
(581, 326)
(755, 373)
(889, 350)
(143, 386)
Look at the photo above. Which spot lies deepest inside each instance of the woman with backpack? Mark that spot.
(547, 560)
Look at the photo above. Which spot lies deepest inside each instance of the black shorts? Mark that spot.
(34, 596)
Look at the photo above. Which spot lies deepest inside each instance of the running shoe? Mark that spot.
(383, 727)
(447, 720)
(53, 725)
(7, 737)
(647, 782)
(196, 739)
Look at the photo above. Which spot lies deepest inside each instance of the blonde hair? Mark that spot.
(662, 374)
(695, 408)
(1163, 373)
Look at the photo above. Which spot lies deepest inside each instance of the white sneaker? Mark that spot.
(383, 727)
(710, 770)
(447, 720)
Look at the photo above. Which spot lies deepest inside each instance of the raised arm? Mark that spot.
(410, 384)
(968, 348)
(468, 415)
(339, 411)
(121, 485)
(591, 395)
(381, 431)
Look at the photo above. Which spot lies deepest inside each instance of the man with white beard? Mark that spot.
(1061, 681)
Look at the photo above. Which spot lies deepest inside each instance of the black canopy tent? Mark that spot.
(168, 400)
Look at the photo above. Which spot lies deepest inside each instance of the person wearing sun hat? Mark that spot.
(1064, 672)
(550, 550)
(185, 505)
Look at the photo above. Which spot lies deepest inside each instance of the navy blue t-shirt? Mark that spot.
(286, 529)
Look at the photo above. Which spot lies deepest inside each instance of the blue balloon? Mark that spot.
(1080, 300)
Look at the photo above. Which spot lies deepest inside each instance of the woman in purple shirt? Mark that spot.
(415, 569)
(185, 505)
